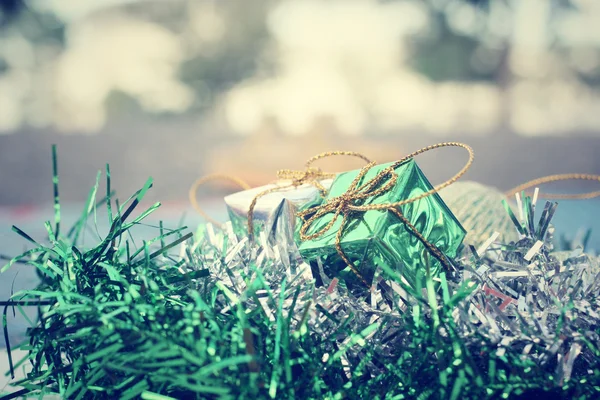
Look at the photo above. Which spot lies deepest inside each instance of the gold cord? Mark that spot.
(344, 204)
(213, 177)
(309, 175)
(556, 178)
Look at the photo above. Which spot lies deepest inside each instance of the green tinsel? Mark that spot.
(230, 319)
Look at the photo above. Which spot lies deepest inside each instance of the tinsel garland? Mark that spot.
(232, 318)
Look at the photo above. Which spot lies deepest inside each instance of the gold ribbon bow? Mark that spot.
(556, 178)
(350, 203)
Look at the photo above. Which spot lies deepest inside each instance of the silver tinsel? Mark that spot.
(518, 298)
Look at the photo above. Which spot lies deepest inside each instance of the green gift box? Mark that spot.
(380, 237)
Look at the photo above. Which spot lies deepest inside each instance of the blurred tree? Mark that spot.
(466, 40)
(475, 39)
(9, 10)
(213, 69)
(443, 55)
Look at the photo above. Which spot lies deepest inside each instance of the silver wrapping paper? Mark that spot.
(275, 213)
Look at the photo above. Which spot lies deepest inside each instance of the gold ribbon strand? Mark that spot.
(208, 178)
(309, 175)
(345, 204)
(557, 178)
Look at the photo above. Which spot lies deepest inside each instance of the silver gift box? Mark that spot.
(274, 213)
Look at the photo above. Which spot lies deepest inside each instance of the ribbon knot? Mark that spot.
(350, 201)
(345, 205)
(310, 175)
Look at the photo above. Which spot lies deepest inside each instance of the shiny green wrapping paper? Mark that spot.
(378, 237)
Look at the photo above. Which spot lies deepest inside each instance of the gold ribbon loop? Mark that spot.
(345, 204)
(557, 178)
(327, 154)
(213, 177)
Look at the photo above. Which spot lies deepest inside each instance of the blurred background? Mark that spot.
(176, 89)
